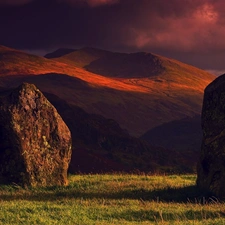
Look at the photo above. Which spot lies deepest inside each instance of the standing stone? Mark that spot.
(35, 143)
(211, 167)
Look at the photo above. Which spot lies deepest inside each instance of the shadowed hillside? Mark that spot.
(100, 145)
(133, 107)
(135, 65)
(80, 58)
(181, 135)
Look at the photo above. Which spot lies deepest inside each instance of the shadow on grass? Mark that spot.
(180, 195)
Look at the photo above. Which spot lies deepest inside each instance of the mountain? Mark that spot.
(165, 90)
(59, 52)
(162, 90)
(111, 64)
(15, 62)
(180, 135)
(106, 98)
(100, 145)
(80, 57)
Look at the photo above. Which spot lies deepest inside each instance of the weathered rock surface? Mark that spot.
(35, 143)
(211, 167)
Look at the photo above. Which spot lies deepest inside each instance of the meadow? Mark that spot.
(109, 199)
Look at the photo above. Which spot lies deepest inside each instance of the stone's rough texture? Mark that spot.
(211, 167)
(35, 143)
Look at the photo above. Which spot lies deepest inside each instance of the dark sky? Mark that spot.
(192, 31)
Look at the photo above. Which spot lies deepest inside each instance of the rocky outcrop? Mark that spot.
(35, 143)
(211, 167)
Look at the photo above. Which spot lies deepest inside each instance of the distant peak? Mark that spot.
(93, 50)
(59, 52)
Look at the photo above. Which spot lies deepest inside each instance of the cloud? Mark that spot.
(14, 2)
(94, 3)
(179, 27)
(173, 28)
(91, 3)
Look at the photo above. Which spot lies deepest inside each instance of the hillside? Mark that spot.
(163, 89)
(79, 58)
(172, 92)
(180, 135)
(100, 145)
(59, 52)
(15, 62)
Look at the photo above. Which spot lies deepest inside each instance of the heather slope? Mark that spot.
(15, 62)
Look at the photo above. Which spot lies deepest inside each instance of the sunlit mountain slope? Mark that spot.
(138, 90)
(162, 89)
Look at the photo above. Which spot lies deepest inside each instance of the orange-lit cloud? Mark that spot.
(206, 14)
(192, 31)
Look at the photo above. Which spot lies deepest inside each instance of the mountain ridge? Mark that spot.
(171, 94)
(59, 52)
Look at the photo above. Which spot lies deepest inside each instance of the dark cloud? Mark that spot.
(181, 29)
(14, 2)
(92, 3)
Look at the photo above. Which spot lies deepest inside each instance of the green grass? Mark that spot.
(112, 199)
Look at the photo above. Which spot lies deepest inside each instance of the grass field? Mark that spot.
(112, 199)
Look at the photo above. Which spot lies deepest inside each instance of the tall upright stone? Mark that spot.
(35, 143)
(211, 166)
